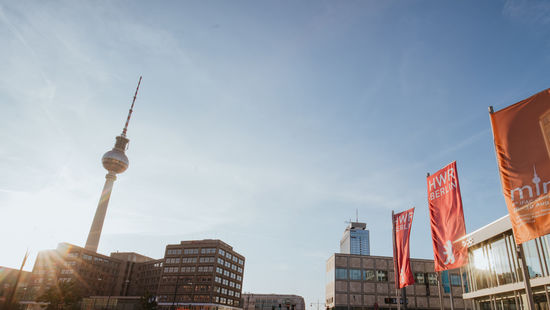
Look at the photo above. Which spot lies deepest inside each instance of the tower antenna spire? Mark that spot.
(131, 110)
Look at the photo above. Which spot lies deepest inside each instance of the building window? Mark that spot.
(369, 275)
(419, 278)
(355, 274)
(455, 280)
(381, 275)
(341, 274)
(432, 278)
(222, 252)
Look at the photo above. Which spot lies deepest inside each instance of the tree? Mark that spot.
(63, 296)
(148, 301)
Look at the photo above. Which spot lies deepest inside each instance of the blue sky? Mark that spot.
(264, 124)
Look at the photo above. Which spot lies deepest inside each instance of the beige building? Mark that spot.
(273, 302)
(359, 282)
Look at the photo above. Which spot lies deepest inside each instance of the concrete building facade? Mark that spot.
(273, 302)
(358, 282)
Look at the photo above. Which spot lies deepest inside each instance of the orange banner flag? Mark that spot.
(522, 142)
(447, 219)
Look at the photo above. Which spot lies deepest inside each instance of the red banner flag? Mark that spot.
(522, 143)
(402, 223)
(447, 219)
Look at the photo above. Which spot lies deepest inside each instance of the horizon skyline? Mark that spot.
(264, 125)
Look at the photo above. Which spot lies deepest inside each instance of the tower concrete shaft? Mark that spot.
(97, 225)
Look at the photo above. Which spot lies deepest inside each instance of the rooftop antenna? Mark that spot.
(357, 215)
(131, 110)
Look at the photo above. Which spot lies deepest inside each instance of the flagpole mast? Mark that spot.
(439, 287)
(526, 278)
(451, 292)
(395, 269)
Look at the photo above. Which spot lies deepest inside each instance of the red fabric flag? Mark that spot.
(402, 223)
(447, 219)
(522, 143)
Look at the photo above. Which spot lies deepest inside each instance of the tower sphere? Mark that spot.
(115, 161)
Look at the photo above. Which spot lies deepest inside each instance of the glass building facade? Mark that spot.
(356, 239)
(494, 274)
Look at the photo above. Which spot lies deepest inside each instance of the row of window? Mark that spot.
(191, 260)
(382, 276)
(229, 265)
(224, 291)
(227, 273)
(228, 301)
(222, 253)
(229, 256)
(495, 262)
(361, 274)
(191, 251)
(227, 282)
(188, 269)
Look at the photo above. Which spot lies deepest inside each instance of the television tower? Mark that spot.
(115, 161)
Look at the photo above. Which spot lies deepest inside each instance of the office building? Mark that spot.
(273, 302)
(355, 239)
(494, 272)
(358, 282)
(203, 274)
(93, 274)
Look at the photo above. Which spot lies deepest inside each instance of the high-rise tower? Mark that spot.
(356, 239)
(115, 161)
